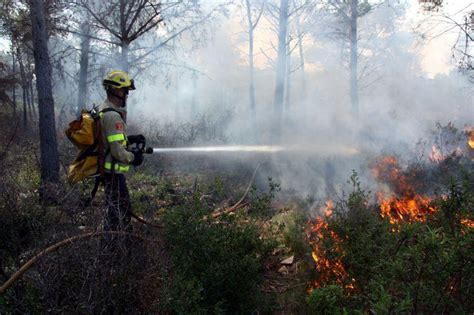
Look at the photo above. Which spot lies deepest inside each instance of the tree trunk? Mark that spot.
(281, 69)
(125, 43)
(302, 62)
(23, 87)
(47, 125)
(25, 108)
(31, 99)
(288, 78)
(177, 100)
(28, 99)
(124, 53)
(32, 95)
(14, 77)
(82, 94)
(251, 63)
(354, 56)
(194, 105)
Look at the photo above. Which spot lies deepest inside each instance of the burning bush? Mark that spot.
(402, 204)
(364, 263)
(413, 247)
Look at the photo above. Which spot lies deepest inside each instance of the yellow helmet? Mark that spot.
(118, 79)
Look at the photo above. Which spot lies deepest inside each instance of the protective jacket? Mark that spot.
(114, 138)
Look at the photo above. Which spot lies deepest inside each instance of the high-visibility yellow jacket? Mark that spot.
(114, 137)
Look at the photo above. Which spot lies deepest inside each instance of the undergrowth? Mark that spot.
(217, 262)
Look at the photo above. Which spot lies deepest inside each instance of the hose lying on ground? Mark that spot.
(143, 221)
(239, 203)
(26, 266)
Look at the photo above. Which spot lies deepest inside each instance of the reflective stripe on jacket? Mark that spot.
(114, 137)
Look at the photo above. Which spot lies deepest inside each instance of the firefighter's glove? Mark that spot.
(137, 157)
(136, 139)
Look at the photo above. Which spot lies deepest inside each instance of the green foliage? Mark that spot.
(149, 193)
(260, 204)
(293, 233)
(383, 302)
(217, 263)
(327, 300)
(219, 187)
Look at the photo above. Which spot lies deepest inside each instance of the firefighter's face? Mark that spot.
(123, 92)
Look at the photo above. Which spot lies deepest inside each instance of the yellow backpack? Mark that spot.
(85, 134)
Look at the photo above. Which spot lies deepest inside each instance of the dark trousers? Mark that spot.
(118, 202)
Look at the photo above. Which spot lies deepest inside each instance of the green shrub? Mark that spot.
(327, 300)
(260, 203)
(293, 233)
(217, 263)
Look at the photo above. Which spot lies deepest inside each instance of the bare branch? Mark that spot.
(100, 20)
(175, 35)
(89, 36)
(254, 25)
(338, 9)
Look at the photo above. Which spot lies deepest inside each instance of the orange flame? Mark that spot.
(470, 142)
(328, 209)
(404, 205)
(329, 269)
(468, 222)
(387, 170)
(405, 209)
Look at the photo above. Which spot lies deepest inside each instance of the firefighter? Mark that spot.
(118, 157)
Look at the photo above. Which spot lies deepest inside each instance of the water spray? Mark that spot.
(228, 148)
(303, 149)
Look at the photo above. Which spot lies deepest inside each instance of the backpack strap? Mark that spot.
(100, 143)
(90, 151)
